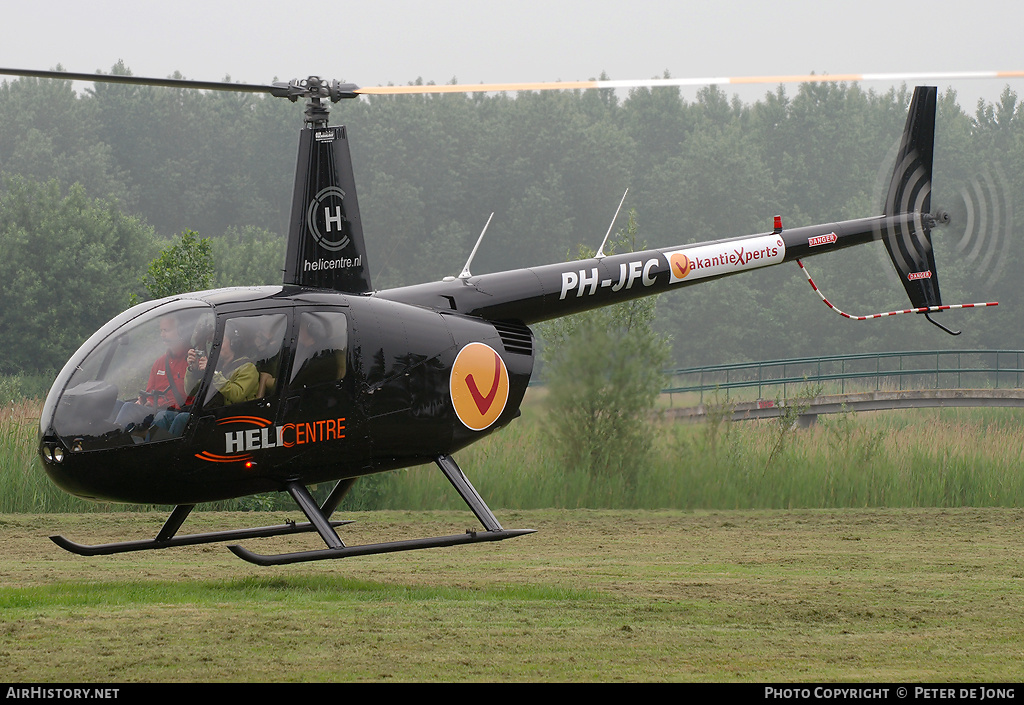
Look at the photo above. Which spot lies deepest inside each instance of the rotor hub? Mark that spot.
(315, 89)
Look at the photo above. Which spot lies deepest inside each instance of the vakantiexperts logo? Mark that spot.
(724, 257)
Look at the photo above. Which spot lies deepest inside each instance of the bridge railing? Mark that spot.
(920, 369)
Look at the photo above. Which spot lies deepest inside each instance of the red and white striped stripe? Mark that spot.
(923, 309)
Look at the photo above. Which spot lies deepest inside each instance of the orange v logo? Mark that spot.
(477, 403)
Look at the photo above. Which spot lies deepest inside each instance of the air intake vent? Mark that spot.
(516, 337)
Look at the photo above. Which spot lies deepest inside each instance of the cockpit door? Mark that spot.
(321, 417)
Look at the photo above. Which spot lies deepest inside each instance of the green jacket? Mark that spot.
(241, 385)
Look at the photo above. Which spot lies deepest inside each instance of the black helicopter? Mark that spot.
(324, 379)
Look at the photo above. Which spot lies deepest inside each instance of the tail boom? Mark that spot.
(537, 294)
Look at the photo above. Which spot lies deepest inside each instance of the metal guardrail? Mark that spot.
(922, 369)
(808, 409)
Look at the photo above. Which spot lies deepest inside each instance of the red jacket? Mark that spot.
(159, 382)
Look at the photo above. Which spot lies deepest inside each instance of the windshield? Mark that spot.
(129, 375)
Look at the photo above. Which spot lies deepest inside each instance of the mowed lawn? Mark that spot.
(880, 595)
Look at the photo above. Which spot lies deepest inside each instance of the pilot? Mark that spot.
(236, 379)
(166, 386)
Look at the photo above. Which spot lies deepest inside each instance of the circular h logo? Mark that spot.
(326, 220)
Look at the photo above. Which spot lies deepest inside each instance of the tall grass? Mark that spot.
(907, 458)
(24, 486)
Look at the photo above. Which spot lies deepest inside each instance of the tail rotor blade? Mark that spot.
(987, 219)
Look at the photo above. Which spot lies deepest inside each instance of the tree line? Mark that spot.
(95, 182)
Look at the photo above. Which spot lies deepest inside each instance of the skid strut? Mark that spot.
(336, 548)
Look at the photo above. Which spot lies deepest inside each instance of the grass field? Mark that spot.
(874, 548)
(843, 595)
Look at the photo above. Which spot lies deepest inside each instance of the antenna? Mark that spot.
(600, 250)
(465, 270)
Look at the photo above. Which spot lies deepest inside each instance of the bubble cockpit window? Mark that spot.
(117, 387)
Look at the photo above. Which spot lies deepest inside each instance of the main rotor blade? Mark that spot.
(680, 82)
(142, 81)
(297, 89)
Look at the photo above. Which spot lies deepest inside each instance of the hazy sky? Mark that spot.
(376, 42)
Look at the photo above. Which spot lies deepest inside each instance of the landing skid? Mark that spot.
(319, 522)
(166, 538)
(372, 548)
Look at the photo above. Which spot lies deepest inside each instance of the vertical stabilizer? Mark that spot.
(325, 237)
(909, 240)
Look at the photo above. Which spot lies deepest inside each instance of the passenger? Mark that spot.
(166, 386)
(268, 359)
(316, 358)
(236, 380)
